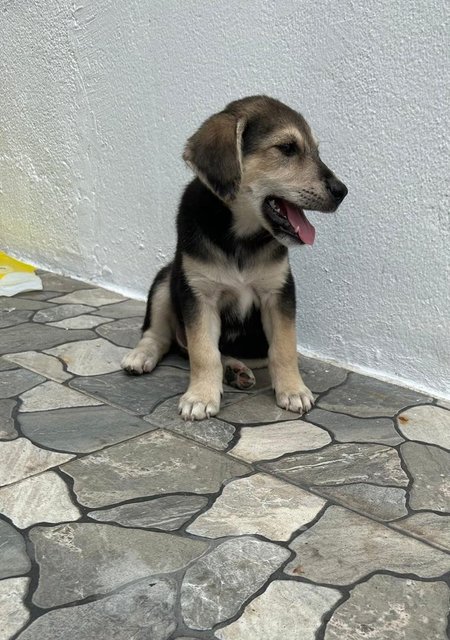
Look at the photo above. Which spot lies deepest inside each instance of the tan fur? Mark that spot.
(156, 341)
(290, 390)
(222, 283)
(202, 399)
(263, 175)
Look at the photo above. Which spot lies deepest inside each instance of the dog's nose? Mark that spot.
(337, 188)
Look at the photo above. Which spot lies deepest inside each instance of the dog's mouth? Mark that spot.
(290, 219)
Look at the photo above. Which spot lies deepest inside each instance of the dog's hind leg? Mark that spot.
(158, 330)
(238, 374)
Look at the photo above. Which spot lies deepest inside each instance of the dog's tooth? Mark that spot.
(275, 206)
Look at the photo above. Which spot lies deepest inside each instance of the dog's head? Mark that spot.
(260, 157)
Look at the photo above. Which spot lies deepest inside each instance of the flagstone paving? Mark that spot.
(41, 363)
(7, 427)
(387, 607)
(119, 520)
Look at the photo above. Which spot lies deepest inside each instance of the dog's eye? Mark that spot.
(288, 149)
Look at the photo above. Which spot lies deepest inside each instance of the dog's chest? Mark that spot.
(239, 290)
(239, 293)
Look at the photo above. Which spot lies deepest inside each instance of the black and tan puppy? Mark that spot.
(229, 293)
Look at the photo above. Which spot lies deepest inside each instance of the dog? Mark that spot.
(229, 294)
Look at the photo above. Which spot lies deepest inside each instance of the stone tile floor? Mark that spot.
(120, 521)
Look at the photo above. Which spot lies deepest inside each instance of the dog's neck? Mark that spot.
(246, 221)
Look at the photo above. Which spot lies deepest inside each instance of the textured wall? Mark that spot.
(100, 96)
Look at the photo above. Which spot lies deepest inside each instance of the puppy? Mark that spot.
(229, 294)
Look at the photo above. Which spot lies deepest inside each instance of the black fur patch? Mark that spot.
(183, 298)
(286, 296)
(243, 338)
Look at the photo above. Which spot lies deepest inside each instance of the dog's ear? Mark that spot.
(214, 154)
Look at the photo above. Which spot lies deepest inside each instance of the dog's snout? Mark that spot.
(337, 188)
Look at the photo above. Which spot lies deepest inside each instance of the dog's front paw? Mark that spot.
(139, 361)
(299, 400)
(198, 404)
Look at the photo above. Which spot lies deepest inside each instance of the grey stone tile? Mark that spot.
(218, 584)
(41, 363)
(139, 394)
(51, 395)
(157, 463)
(78, 560)
(90, 357)
(256, 409)
(61, 284)
(168, 513)
(285, 610)
(96, 297)
(80, 322)
(42, 498)
(10, 318)
(429, 526)
(20, 459)
(426, 423)
(348, 429)
(343, 546)
(274, 440)
(7, 428)
(61, 312)
(231, 396)
(212, 432)
(125, 309)
(175, 360)
(365, 397)
(342, 464)
(429, 467)
(32, 336)
(125, 332)
(390, 608)
(13, 611)
(383, 503)
(39, 295)
(14, 382)
(258, 504)
(141, 611)
(13, 556)
(9, 305)
(81, 429)
(5, 365)
(320, 376)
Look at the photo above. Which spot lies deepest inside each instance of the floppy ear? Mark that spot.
(214, 154)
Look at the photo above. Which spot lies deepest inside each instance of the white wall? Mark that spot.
(99, 98)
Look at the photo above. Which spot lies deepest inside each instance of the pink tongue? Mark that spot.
(300, 223)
